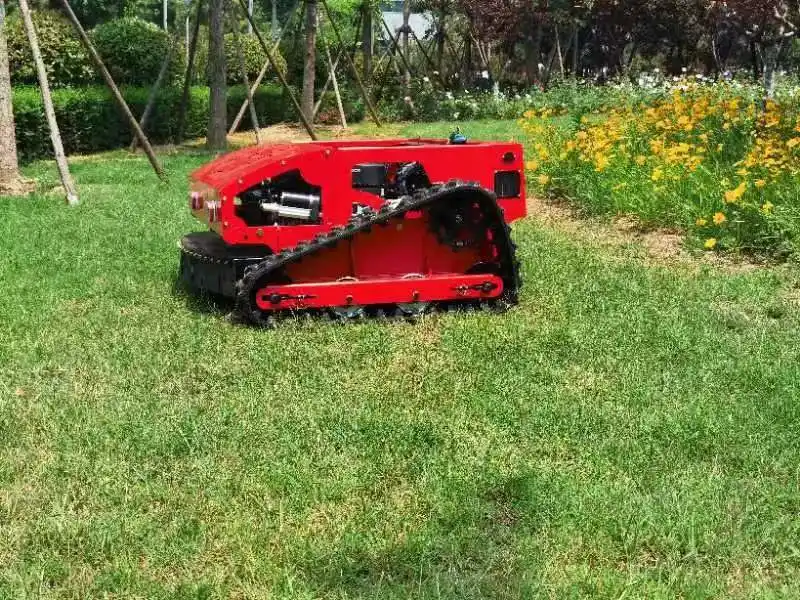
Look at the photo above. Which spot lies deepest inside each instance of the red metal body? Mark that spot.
(402, 263)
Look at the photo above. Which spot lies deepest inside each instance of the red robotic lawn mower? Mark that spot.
(358, 228)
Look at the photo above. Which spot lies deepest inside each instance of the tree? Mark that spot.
(218, 115)
(10, 181)
(310, 64)
(769, 25)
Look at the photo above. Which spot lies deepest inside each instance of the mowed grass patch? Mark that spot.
(629, 430)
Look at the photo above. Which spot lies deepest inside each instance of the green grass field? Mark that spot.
(632, 430)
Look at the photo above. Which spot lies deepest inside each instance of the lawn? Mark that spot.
(632, 429)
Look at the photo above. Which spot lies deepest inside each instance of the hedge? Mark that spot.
(90, 121)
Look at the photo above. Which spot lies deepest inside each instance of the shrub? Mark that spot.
(709, 159)
(134, 50)
(254, 58)
(66, 60)
(90, 121)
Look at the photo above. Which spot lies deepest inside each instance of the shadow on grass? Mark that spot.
(473, 546)
(200, 302)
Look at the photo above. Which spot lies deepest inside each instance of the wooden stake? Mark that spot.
(332, 71)
(151, 100)
(187, 79)
(123, 106)
(304, 120)
(429, 60)
(49, 111)
(325, 87)
(398, 49)
(356, 74)
(243, 66)
(240, 115)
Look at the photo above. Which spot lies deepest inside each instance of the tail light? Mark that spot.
(205, 204)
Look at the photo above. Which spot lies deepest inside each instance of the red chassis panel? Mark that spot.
(328, 165)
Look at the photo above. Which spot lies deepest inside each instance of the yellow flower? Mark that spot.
(767, 208)
(760, 184)
(794, 142)
(720, 218)
(701, 222)
(544, 179)
(532, 165)
(711, 243)
(657, 175)
(733, 196)
(640, 160)
(742, 172)
(601, 162)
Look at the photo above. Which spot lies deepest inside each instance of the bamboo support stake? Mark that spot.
(306, 124)
(356, 74)
(123, 106)
(332, 71)
(243, 66)
(151, 100)
(429, 60)
(263, 72)
(325, 87)
(398, 49)
(49, 111)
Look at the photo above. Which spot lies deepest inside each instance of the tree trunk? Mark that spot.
(558, 51)
(754, 59)
(274, 20)
(187, 79)
(9, 167)
(406, 46)
(441, 36)
(771, 56)
(367, 41)
(533, 55)
(576, 52)
(310, 65)
(218, 117)
(467, 72)
(44, 86)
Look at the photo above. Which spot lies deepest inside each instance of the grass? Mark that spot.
(631, 430)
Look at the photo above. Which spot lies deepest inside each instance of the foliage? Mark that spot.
(65, 59)
(134, 50)
(706, 158)
(253, 54)
(90, 121)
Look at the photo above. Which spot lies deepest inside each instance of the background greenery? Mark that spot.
(90, 120)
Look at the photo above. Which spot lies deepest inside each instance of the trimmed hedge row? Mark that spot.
(90, 121)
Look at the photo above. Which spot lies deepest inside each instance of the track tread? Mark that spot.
(256, 277)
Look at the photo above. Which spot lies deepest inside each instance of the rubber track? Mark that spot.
(258, 276)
